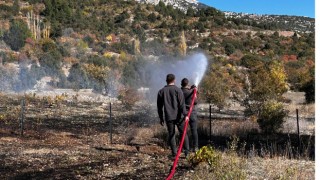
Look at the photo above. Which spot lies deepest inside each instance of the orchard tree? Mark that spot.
(267, 82)
(98, 76)
(264, 88)
(219, 84)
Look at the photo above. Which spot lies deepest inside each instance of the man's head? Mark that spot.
(170, 79)
(184, 82)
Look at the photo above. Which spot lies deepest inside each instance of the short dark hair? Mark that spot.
(184, 82)
(170, 78)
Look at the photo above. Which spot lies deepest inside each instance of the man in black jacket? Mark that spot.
(171, 100)
(188, 93)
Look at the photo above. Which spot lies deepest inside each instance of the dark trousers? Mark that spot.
(171, 140)
(193, 122)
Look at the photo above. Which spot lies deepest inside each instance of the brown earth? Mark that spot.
(69, 140)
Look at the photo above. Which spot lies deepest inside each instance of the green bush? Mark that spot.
(229, 49)
(128, 97)
(309, 88)
(221, 165)
(250, 61)
(206, 154)
(78, 77)
(271, 116)
(17, 35)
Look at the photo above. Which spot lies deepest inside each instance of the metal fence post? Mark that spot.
(110, 122)
(298, 128)
(210, 123)
(22, 116)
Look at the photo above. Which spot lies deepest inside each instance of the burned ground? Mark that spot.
(71, 140)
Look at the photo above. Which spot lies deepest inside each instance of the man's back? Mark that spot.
(172, 100)
(188, 97)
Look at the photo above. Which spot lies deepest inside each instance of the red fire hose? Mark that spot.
(173, 169)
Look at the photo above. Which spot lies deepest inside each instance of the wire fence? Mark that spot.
(26, 115)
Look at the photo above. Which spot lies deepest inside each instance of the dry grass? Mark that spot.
(230, 127)
(305, 110)
(279, 168)
(64, 146)
(232, 166)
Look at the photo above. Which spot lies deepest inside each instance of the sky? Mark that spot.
(279, 7)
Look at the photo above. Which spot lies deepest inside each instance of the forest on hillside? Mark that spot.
(77, 99)
(103, 44)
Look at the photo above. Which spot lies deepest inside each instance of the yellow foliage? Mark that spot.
(109, 38)
(123, 56)
(206, 154)
(85, 13)
(98, 72)
(60, 98)
(82, 44)
(221, 166)
(279, 76)
(107, 54)
(2, 117)
(183, 45)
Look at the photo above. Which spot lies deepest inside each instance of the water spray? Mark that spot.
(192, 67)
(201, 64)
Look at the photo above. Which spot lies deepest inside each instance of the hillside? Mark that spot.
(79, 81)
(60, 38)
(284, 22)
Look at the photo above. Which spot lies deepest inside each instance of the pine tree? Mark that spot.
(16, 7)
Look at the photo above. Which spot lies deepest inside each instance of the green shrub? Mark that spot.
(271, 116)
(221, 165)
(309, 88)
(229, 49)
(128, 97)
(206, 154)
(17, 35)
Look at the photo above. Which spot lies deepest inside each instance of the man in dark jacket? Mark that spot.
(188, 92)
(171, 100)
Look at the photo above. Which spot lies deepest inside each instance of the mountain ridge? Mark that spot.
(286, 22)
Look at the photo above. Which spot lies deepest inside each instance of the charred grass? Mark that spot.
(71, 140)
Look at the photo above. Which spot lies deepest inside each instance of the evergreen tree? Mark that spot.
(16, 7)
(17, 35)
(78, 77)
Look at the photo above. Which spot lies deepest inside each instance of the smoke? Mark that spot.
(149, 73)
(192, 67)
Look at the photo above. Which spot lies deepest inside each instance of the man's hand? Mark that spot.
(186, 119)
(193, 86)
(161, 122)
